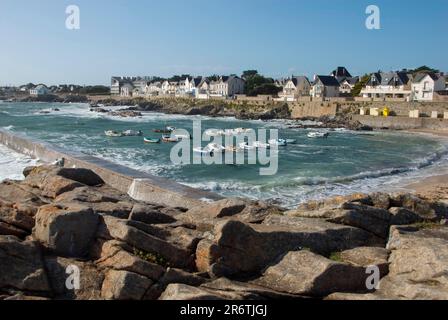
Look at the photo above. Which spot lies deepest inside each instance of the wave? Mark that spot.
(9, 128)
(13, 163)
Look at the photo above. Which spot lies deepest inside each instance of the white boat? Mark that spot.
(132, 133)
(261, 145)
(291, 141)
(211, 148)
(278, 142)
(316, 134)
(214, 132)
(246, 146)
(112, 133)
(214, 147)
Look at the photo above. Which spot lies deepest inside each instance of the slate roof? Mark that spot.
(298, 80)
(328, 81)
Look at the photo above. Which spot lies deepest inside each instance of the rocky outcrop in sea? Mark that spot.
(59, 220)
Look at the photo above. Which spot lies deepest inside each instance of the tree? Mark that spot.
(249, 73)
(359, 85)
(424, 69)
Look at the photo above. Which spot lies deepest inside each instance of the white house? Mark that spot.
(153, 88)
(226, 86)
(127, 90)
(39, 90)
(346, 85)
(170, 87)
(387, 85)
(425, 84)
(295, 87)
(325, 87)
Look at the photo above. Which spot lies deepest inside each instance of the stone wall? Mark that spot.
(402, 123)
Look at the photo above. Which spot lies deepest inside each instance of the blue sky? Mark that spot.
(202, 37)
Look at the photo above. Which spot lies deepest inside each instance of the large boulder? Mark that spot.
(37, 175)
(306, 273)
(15, 192)
(417, 265)
(81, 175)
(22, 266)
(239, 248)
(249, 290)
(124, 285)
(151, 240)
(53, 186)
(367, 256)
(149, 215)
(423, 208)
(403, 216)
(177, 291)
(67, 229)
(371, 219)
(173, 275)
(18, 215)
(113, 256)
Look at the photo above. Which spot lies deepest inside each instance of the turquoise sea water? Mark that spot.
(346, 162)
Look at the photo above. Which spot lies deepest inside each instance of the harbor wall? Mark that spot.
(402, 123)
(140, 186)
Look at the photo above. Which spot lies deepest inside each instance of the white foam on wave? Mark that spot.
(13, 163)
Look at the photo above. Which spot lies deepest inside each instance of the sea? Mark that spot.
(344, 163)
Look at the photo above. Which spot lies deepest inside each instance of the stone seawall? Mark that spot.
(402, 123)
(140, 186)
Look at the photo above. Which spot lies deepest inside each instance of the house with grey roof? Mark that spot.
(226, 86)
(39, 90)
(131, 85)
(388, 85)
(325, 87)
(341, 73)
(347, 84)
(295, 87)
(424, 85)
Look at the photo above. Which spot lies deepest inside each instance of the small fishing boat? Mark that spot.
(161, 131)
(168, 138)
(291, 141)
(150, 140)
(132, 133)
(246, 146)
(278, 142)
(261, 145)
(214, 132)
(112, 133)
(316, 134)
(214, 147)
(232, 149)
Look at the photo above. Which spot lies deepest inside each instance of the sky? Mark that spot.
(202, 37)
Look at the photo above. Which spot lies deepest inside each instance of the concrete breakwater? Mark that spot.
(140, 186)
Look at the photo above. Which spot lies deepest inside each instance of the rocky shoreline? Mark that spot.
(62, 219)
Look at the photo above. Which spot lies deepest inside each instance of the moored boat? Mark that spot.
(150, 140)
(168, 138)
(278, 142)
(316, 134)
(132, 133)
(113, 133)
